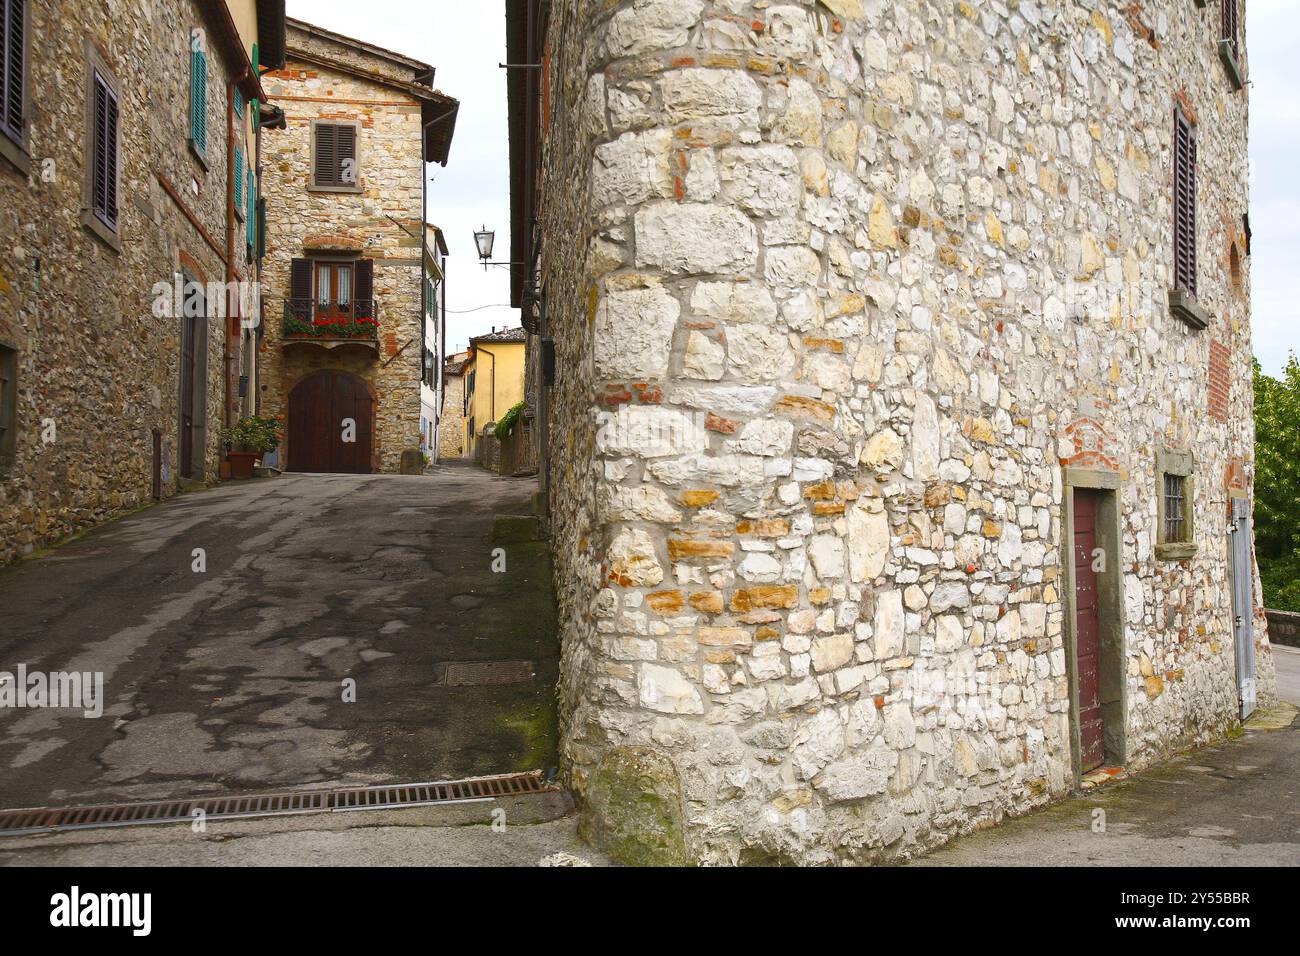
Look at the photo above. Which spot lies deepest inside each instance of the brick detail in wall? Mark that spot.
(1220, 381)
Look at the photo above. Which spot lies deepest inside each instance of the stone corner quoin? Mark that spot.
(889, 273)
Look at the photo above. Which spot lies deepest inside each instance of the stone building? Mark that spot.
(127, 185)
(347, 250)
(451, 422)
(900, 431)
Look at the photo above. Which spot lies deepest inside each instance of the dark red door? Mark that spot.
(325, 411)
(1087, 630)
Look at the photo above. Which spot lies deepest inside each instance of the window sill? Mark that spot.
(1184, 306)
(313, 188)
(1178, 551)
(101, 232)
(15, 155)
(198, 154)
(1230, 64)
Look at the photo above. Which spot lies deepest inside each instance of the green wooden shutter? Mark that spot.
(239, 178)
(199, 100)
(250, 218)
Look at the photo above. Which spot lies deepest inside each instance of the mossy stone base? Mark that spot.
(633, 809)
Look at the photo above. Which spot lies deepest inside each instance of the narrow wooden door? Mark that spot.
(1087, 630)
(188, 368)
(157, 465)
(331, 423)
(1243, 605)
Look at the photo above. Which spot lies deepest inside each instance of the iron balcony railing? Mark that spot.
(308, 318)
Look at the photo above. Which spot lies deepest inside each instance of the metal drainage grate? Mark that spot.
(339, 800)
(479, 673)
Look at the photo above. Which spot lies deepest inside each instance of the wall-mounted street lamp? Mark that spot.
(484, 239)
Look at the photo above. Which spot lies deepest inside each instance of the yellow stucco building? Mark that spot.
(494, 381)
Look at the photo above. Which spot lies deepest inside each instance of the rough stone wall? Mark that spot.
(369, 58)
(92, 357)
(451, 427)
(847, 287)
(302, 222)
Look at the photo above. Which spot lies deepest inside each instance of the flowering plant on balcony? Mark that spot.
(298, 327)
(253, 433)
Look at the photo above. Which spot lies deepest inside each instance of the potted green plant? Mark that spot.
(250, 438)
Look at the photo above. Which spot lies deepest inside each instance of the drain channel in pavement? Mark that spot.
(283, 803)
(479, 673)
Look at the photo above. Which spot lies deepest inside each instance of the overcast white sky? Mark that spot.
(465, 40)
(1273, 54)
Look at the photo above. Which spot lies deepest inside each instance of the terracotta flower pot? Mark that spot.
(242, 463)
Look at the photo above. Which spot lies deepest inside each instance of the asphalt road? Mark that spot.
(233, 676)
(1287, 661)
(1233, 804)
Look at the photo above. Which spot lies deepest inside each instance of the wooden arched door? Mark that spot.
(325, 410)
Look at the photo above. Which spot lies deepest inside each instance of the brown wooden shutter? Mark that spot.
(365, 290)
(1228, 19)
(1184, 204)
(300, 288)
(110, 159)
(104, 154)
(12, 30)
(346, 138)
(327, 158)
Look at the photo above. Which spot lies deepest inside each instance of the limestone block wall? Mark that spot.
(451, 426)
(848, 289)
(94, 361)
(302, 222)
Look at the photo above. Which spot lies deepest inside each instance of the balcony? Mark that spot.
(331, 324)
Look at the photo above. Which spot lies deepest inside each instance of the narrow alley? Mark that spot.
(306, 630)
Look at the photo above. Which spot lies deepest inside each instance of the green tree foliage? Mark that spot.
(507, 424)
(1277, 485)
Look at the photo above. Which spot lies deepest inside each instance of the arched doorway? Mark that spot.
(331, 424)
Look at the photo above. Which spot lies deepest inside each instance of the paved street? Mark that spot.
(233, 678)
(1233, 804)
(1287, 660)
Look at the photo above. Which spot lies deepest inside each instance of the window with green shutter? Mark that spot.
(239, 180)
(239, 103)
(198, 96)
(250, 217)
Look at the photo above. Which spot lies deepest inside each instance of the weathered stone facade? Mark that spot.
(850, 300)
(451, 423)
(98, 370)
(338, 80)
